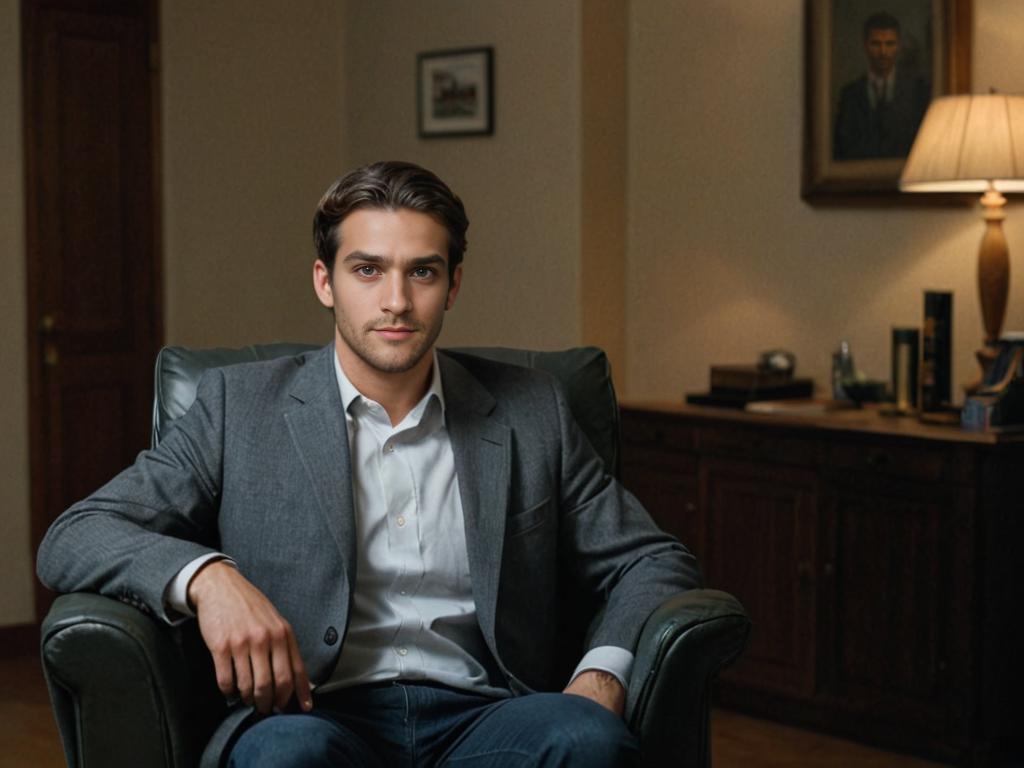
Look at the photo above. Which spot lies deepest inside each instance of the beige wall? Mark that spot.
(724, 258)
(252, 134)
(603, 203)
(15, 570)
(521, 186)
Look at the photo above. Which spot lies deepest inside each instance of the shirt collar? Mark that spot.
(349, 393)
(887, 80)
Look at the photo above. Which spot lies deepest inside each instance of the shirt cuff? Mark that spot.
(176, 593)
(617, 662)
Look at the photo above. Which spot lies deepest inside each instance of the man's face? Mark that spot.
(883, 48)
(389, 290)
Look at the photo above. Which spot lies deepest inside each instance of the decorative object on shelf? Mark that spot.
(747, 377)
(936, 346)
(850, 384)
(975, 144)
(843, 371)
(778, 361)
(905, 351)
(868, 78)
(999, 403)
(733, 386)
(455, 92)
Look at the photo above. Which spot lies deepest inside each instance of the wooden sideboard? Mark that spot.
(878, 558)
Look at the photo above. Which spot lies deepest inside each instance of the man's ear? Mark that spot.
(453, 288)
(322, 283)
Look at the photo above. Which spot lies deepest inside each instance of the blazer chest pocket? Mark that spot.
(528, 519)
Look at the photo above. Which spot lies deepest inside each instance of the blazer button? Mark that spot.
(331, 636)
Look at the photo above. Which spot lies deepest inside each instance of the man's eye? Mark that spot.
(423, 272)
(366, 270)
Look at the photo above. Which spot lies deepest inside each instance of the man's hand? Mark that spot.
(254, 649)
(601, 687)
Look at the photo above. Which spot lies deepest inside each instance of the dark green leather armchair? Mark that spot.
(128, 690)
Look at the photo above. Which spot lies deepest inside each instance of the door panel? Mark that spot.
(761, 546)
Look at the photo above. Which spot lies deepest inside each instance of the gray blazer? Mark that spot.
(259, 469)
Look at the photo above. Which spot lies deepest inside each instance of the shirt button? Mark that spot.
(401, 521)
(402, 651)
(331, 636)
(389, 448)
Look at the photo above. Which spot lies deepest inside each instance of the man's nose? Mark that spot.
(396, 299)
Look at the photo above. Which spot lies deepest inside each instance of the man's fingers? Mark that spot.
(300, 679)
(262, 680)
(280, 659)
(224, 669)
(243, 676)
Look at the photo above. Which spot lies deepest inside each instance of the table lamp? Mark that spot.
(975, 143)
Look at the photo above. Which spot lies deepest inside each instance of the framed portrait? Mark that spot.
(871, 70)
(455, 92)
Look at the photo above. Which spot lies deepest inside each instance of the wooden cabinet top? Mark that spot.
(866, 421)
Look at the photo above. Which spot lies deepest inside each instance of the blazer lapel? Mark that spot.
(318, 430)
(482, 450)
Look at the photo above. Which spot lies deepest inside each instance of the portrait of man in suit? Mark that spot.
(374, 537)
(880, 111)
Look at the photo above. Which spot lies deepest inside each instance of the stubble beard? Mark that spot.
(384, 356)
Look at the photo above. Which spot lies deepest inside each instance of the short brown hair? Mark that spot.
(389, 185)
(880, 21)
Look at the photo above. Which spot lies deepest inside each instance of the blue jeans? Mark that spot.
(403, 725)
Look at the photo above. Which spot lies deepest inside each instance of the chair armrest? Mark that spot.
(684, 644)
(121, 685)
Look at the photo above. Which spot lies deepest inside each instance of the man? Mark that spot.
(372, 536)
(880, 112)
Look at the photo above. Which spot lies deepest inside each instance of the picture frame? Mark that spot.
(455, 92)
(854, 153)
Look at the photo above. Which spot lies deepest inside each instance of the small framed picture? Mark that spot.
(455, 92)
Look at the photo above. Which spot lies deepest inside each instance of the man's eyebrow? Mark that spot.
(372, 258)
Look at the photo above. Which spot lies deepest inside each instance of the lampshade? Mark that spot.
(965, 142)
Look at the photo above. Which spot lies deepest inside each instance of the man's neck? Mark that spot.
(397, 393)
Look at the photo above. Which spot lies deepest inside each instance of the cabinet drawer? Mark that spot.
(644, 457)
(914, 462)
(741, 443)
(657, 432)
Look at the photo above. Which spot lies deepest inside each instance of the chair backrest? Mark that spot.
(584, 373)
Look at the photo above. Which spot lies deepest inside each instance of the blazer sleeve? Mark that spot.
(129, 538)
(611, 544)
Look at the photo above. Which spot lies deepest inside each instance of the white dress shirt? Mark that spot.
(412, 615)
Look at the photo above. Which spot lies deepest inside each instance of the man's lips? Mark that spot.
(394, 333)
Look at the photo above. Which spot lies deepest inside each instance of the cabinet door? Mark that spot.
(666, 485)
(659, 466)
(899, 613)
(761, 546)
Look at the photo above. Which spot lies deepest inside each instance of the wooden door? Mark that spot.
(92, 232)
